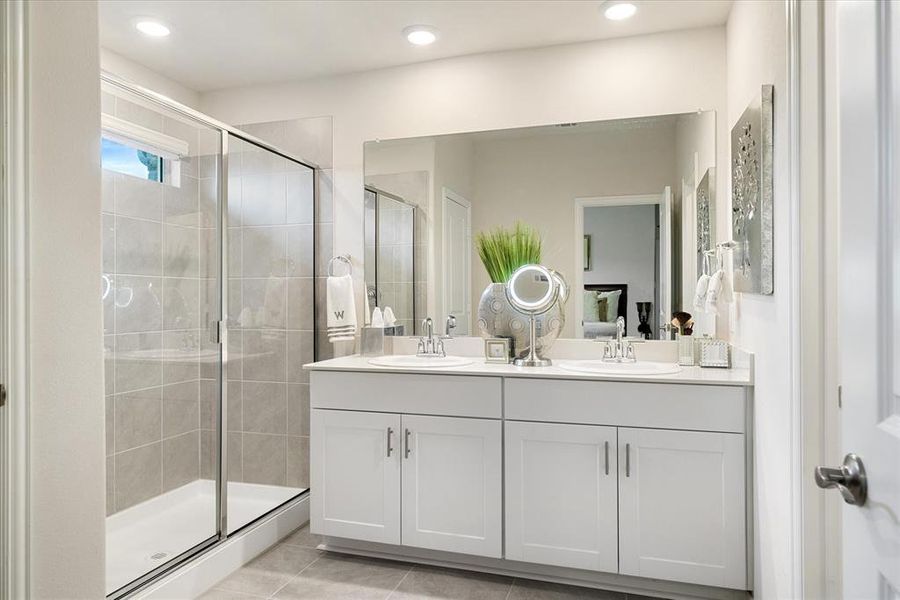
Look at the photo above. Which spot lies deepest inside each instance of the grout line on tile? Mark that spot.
(399, 583)
(298, 574)
(511, 585)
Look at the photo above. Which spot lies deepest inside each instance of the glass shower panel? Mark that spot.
(160, 294)
(270, 329)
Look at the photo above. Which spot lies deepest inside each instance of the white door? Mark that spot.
(664, 299)
(457, 215)
(868, 76)
(355, 475)
(452, 490)
(682, 507)
(561, 495)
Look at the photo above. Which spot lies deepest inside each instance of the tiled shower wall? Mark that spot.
(156, 270)
(270, 321)
(159, 257)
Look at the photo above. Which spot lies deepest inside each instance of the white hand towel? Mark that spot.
(389, 319)
(377, 317)
(341, 307)
(700, 294)
(713, 292)
(727, 293)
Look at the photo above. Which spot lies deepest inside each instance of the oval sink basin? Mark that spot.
(611, 368)
(420, 362)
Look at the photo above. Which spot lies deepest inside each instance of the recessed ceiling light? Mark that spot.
(420, 35)
(152, 28)
(620, 11)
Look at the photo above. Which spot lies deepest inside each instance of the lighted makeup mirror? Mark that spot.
(533, 290)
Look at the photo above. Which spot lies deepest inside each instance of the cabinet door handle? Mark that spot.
(406, 443)
(606, 455)
(390, 433)
(627, 460)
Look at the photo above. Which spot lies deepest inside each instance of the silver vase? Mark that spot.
(497, 318)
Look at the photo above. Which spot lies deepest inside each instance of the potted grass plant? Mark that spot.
(502, 251)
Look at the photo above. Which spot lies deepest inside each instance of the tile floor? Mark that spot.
(294, 569)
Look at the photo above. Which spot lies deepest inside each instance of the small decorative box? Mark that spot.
(687, 352)
(714, 353)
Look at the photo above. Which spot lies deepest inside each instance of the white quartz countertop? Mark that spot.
(687, 375)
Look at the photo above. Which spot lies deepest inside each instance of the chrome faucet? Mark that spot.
(451, 325)
(620, 350)
(430, 346)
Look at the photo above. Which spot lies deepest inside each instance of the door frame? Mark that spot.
(811, 68)
(14, 300)
(578, 268)
(449, 194)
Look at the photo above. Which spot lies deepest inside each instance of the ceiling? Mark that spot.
(216, 45)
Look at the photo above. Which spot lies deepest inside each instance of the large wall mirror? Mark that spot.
(624, 209)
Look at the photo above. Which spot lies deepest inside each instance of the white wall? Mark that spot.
(623, 250)
(67, 458)
(757, 54)
(665, 73)
(141, 75)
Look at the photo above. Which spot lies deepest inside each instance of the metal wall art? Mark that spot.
(706, 216)
(751, 197)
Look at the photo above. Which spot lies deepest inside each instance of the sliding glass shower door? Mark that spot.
(160, 290)
(270, 329)
(207, 289)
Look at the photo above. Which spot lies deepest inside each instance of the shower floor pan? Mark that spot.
(145, 536)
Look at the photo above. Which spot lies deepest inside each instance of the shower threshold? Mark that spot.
(145, 536)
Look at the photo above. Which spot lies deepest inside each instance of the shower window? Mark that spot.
(130, 161)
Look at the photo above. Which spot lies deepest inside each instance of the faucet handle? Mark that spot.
(451, 324)
(607, 351)
(629, 351)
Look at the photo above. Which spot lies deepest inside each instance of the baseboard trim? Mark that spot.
(604, 581)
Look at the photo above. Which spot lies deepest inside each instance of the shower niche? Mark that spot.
(207, 288)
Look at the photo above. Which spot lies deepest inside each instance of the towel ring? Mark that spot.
(344, 258)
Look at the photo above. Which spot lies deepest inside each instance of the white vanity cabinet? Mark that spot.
(678, 510)
(452, 485)
(355, 470)
(561, 495)
(431, 480)
(682, 512)
(636, 484)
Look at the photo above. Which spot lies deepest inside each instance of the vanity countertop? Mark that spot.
(688, 375)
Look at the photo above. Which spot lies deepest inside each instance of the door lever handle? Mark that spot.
(849, 479)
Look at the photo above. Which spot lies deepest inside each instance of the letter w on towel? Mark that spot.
(341, 309)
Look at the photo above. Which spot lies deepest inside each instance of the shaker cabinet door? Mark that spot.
(355, 468)
(452, 484)
(561, 495)
(682, 506)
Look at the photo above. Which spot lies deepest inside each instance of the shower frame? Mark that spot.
(378, 194)
(218, 330)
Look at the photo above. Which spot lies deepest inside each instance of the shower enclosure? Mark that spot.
(208, 301)
(390, 246)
